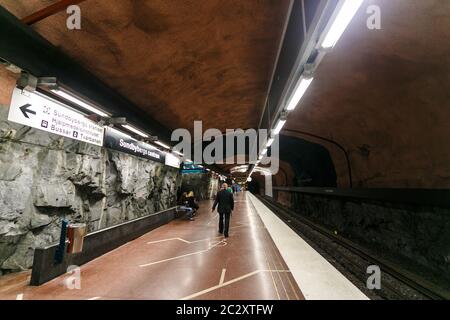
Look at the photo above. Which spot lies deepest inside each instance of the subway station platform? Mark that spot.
(262, 259)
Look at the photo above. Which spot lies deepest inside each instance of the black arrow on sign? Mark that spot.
(26, 111)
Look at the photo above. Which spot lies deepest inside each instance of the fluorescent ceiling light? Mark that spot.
(346, 13)
(121, 132)
(279, 126)
(151, 146)
(137, 131)
(179, 153)
(260, 158)
(269, 142)
(162, 144)
(299, 91)
(264, 152)
(79, 102)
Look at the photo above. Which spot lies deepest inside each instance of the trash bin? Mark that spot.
(75, 236)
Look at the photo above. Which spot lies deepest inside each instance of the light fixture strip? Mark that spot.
(269, 142)
(121, 132)
(299, 91)
(79, 102)
(162, 144)
(135, 130)
(279, 126)
(347, 10)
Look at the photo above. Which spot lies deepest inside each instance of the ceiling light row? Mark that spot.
(343, 14)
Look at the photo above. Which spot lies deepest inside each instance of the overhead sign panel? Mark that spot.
(119, 141)
(40, 112)
(172, 160)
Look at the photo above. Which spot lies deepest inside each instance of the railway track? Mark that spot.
(397, 282)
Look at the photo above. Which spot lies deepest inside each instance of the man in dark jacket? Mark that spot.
(225, 200)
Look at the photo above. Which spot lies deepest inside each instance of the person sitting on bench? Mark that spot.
(192, 203)
(184, 206)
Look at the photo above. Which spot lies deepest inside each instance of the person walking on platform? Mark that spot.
(225, 205)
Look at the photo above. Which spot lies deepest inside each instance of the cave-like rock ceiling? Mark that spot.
(179, 60)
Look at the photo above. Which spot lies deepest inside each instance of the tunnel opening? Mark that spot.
(311, 162)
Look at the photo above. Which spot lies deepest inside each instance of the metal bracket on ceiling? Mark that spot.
(10, 67)
(111, 121)
(27, 82)
(13, 68)
(30, 83)
(309, 69)
(116, 120)
(150, 139)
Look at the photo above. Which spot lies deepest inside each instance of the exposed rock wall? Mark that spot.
(414, 236)
(45, 178)
(204, 185)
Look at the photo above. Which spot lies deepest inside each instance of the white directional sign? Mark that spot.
(40, 112)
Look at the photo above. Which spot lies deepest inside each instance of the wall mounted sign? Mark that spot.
(119, 141)
(40, 112)
(172, 160)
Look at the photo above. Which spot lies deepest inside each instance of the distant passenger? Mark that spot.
(225, 202)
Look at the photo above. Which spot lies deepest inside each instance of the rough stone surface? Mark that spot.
(179, 60)
(45, 178)
(203, 185)
(415, 236)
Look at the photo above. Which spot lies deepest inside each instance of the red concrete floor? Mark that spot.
(181, 260)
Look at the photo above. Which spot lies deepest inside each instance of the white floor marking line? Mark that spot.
(94, 298)
(174, 258)
(184, 255)
(245, 276)
(211, 220)
(170, 239)
(19, 296)
(222, 276)
(183, 240)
